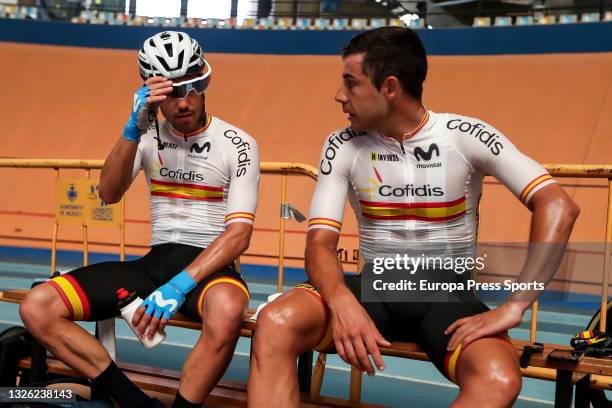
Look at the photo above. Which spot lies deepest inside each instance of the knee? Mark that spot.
(500, 385)
(276, 331)
(228, 320)
(37, 307)
(509, 384)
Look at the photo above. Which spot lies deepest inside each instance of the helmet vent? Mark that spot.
(168, 48)
(163, 63)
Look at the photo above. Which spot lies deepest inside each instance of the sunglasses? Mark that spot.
(198, 84)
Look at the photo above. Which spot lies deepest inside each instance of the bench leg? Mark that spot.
(38, 369)
(583, 387)
(564, 389)
(355, 385)
(305, 371)
(317, 376)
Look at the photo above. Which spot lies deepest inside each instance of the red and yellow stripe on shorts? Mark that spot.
(73, 296)
(217, 281)
(451, 361)
(327, 339)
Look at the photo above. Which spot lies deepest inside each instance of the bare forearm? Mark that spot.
(324, 271)
(116, 174)
(551, 227)
(222, 252)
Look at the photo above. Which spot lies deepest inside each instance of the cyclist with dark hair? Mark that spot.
(203, 177)
(414, 179)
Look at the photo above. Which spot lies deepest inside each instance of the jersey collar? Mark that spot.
(414, 131)
(193, 132)
(420, 126)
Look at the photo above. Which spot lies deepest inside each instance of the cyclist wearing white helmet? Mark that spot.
(203, 176)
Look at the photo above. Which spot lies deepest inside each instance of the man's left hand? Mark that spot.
(495, 321)
(160, 305)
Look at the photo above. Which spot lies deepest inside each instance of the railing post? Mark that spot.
(281, 249)
(85, 240)
(604, 280)
(54, 238)
(534, 322)
(122, 231)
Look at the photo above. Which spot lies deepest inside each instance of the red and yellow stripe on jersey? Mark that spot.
(325, 222)
(186, 191)
(538, 181)
(419, 126)
(430, 212)
(73, 296)
(240, 217)
(217, 281)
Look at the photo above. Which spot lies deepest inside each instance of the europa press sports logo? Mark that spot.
(378, 188)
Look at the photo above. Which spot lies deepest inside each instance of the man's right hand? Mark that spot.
(144, 109)
(355, 334)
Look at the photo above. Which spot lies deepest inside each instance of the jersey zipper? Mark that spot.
(401, 143)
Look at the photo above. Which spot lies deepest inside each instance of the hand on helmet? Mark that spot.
(146, 103)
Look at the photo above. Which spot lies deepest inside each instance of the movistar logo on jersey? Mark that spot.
(384, 157)
(409, 190)
(163, 145)
(196, 148)
(489, 139)
(427, 155)
(333, 144)
(243, 151)
(180, 174)
(199, 149)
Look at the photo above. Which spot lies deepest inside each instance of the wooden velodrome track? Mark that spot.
(68, 102)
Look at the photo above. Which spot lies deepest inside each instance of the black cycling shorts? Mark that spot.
(419, 322)
(90, 292)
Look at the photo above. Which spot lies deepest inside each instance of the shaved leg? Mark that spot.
(488, 374)
(46, 316)
(225, 306)
(286, 328)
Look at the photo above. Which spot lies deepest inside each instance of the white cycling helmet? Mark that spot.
(171, 54)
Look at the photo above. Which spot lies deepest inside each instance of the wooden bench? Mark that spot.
(589, 373)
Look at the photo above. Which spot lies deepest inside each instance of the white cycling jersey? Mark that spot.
(424, 190)
(199, 183)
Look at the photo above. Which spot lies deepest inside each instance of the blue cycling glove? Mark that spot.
(169, 297)
(142, 115)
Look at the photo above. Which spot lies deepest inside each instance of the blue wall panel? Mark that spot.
(561, 38)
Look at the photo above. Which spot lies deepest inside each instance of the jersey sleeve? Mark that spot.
(492, 153)
(244, 179)
(137, 160)
(328, 201)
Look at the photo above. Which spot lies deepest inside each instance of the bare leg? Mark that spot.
(224, 310)
(286, 328)
(488, 375)
(48, 319)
